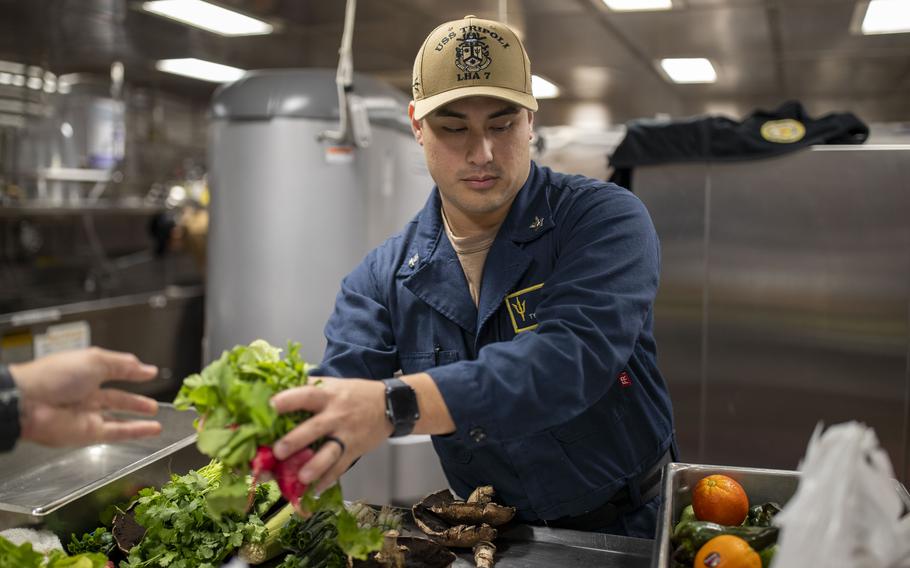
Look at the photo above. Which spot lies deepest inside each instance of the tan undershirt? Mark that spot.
(472, 254)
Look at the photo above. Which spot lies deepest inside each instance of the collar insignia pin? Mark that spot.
(413, 260)
(536, 224)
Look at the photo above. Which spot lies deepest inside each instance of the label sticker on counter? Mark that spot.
(63, 337)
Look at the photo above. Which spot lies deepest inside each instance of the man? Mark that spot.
(518, 306)
(57, 400)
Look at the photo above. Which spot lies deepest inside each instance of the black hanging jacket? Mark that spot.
(762, 134)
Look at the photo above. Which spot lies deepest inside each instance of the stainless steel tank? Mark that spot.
(291, 216)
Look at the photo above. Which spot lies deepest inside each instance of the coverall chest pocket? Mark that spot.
(418, 361)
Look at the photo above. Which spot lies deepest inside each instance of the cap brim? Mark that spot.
(425, 106)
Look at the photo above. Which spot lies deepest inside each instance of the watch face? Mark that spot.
(401, 406)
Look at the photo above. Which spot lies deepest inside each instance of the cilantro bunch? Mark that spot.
(100, 540)
(181, 532)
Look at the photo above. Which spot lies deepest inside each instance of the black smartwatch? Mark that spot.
(9, 410)
(400, 406)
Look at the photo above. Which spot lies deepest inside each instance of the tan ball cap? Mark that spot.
(471, 57)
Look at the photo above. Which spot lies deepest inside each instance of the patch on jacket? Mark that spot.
(522, 307)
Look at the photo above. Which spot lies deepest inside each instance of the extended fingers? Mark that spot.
(71, 426)
(115, 431)
(123, 366)
(115, 399)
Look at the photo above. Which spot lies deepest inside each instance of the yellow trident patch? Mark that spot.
(518, 306)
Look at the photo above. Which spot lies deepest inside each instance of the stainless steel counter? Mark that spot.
(523, 546)
(64, 490)
(532, 547)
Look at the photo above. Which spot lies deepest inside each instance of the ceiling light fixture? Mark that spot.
(689, 70)
(543, 89)
(886, 17)
(638, 5)
(200, 69)
(209, 17)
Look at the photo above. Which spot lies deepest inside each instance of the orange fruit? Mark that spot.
(727, 551)
(720, 499)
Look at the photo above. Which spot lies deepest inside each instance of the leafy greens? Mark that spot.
(180, 532)
(24, 556)
(232, 397)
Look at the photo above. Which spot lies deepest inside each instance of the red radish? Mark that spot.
(285, 472)
(264, 460)
(286, 475)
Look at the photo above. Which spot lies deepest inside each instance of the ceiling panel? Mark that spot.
(539, 8)
(746, 76)
(846, 75)
(698, 4)
(573, 39)
(714, 33)
(764, 50)
(814, 27)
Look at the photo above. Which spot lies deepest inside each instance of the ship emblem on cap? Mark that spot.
(472, 54)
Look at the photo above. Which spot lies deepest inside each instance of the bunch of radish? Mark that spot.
(284, 471)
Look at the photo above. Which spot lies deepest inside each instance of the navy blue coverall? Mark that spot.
(552, 382)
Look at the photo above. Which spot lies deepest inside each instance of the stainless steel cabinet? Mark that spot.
(784, 300)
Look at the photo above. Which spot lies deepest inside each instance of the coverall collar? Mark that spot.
(433, 273)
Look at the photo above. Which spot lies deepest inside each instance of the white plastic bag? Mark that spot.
(43, 541)
(846, 511)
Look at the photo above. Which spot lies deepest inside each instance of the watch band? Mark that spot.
(10, 428)
(400, 406)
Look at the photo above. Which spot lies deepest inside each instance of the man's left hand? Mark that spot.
(350, 410)
(63, 404)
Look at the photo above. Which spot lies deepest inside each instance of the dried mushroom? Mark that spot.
(127, 532)
(408, 552)
(483, 494)
(461, 523)
(474, 513)
(484, 553)
(392, 553)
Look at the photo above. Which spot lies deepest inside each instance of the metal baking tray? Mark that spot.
(65, 489)
(761, 485)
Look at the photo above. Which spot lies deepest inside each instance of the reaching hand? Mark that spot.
(63, 403)
(352, 411)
